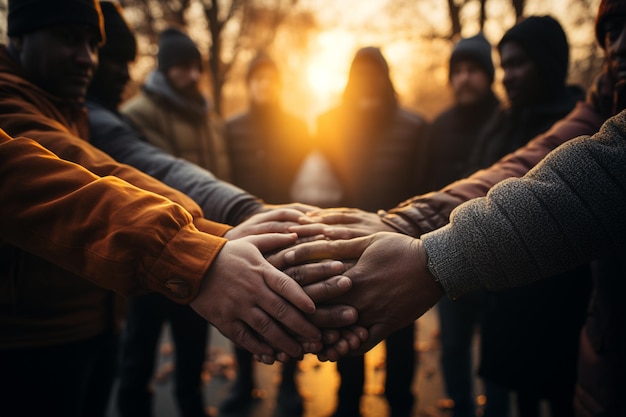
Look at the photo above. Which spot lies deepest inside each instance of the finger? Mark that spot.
(272, 241)
(328, 288)
(337, 217)
(280, 214)
(241, 334)
(330, 336)
(334, 316)
(340, 232)
(282, 285)
(308, 229)
(314, 272)
(335, 249)
(376, 333)
(259, 321)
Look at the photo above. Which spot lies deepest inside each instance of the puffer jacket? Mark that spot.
(431, 211)
(55, 284)
(179, 126)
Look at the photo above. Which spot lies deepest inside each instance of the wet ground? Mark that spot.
(317, 381)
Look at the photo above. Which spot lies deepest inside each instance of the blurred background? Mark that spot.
(314, 41)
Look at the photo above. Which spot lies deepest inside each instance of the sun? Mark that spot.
(328, 65)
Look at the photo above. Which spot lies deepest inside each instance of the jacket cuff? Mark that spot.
(182, 265)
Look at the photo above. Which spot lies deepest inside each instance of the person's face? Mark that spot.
(371, 84)
(522, 80)
(60, 59)
(185, 78)
(110, 80)
(469, 82)
(615, 46)
(264, 86)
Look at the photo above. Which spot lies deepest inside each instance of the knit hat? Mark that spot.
(176, 48)
(120, 39)
(259, 61)
(477, 49)
(544, 40)
(27, 16)
(608, 9)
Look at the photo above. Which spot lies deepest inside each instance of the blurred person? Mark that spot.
(533, 330)
(70, 242)
(598, 374)
(266, 147)
(449, 140)
(171, 111)
(534, 57)
(146, 314)
(172, 114)
(371, 144)
(568, 210)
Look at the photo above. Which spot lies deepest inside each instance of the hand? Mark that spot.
(346, 223)
(391, 285)
(271, 221)
(254, 304)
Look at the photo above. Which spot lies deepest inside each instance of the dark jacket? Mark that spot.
(220, 201)
(63, 295)
(266, 147)
(374, 158)
(424, 213)
(449, 140)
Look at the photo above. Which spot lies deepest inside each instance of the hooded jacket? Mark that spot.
(179, 126)
(371, 151)
(55, 286)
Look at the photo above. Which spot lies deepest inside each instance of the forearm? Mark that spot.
(566, 211)
(220, 201)
(102, 229)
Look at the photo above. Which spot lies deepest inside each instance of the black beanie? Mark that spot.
(544, 40)
(477, 49)
(27, 16)
(120, 39)
(608, 9)
(259, 61)
(176, 48)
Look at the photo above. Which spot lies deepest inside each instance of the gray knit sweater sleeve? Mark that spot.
(567, 210)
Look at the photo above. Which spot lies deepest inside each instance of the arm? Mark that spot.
(220, 201)
(431, 211)
(131, 240)
(566, 211)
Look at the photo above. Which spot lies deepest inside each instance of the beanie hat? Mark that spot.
(259, 61)
(477, 49)
(176, 48)
(608, 9)
(120, 39)
(544, 40)
(27, 16)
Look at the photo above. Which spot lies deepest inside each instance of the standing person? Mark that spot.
(601, 357)
(113, 229)
(371, 144)
(266, 147)
(533, 330)
(171, 113)
(449, 139)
